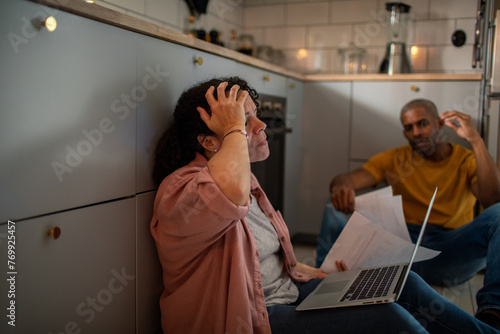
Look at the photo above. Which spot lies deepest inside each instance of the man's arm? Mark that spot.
(487, 187)
(343, 187)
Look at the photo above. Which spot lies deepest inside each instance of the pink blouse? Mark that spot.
(211, 271)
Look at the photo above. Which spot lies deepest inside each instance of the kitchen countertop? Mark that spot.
(108, 16)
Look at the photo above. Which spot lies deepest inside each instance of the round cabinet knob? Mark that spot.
(292, 85)
(267, 78)
(199, 61)
(50, 23)
(54, 233)
(416, 89)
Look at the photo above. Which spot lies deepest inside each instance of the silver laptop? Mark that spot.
(363, 286)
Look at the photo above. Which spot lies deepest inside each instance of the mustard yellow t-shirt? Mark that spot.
(415, 179)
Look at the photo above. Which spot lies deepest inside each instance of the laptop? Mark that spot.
(364, 286)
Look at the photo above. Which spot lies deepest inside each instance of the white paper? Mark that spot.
(384, 209)
(364, 244)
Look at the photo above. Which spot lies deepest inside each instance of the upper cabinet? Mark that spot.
(68, 101)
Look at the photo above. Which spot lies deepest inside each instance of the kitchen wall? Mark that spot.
(222, 15)
(321, 28)
(311, 33)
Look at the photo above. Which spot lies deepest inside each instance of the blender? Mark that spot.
(396, 59)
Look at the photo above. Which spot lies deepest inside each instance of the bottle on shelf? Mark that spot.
(189, 27)
(233, 41)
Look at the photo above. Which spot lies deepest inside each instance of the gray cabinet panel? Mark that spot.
(263, 81)
(84, 280)
(325, 145)
(67, 117)
(149, 272)
(293, 154)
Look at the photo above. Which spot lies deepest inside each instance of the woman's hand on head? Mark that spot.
(227, 111)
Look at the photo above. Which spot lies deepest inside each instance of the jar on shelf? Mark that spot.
(352, 60)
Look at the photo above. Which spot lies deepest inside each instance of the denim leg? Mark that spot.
(434, 312)
(332, 224)
(464, 252)
(383, 318)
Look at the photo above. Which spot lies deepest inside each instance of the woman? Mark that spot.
(228, 264)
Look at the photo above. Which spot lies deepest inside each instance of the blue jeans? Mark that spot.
(419, 310)
(464, 251)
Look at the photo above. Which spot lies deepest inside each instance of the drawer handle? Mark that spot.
(199, 61)
(267, 78)
(50, 23)
(54, 233)
(416, 89)
(292, 85)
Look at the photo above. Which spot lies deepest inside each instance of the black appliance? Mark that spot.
(271, 171)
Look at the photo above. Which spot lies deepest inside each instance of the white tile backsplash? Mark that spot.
(450, 58)
(434, 32)
(307, 13)
(452, 9)
(265, 16)
(329, 36)
(353, 11)
(282, 38)
(369, 34)
(419, 8)
(320, 27)
(468, 26)
(418, 59)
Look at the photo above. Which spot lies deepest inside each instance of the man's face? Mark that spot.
(421, 129)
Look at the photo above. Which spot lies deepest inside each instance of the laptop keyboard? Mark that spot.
(371, 283)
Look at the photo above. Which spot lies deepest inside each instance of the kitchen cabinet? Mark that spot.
(293, 154)
(83, 281)
(67, 122)
(265, 82)
(376, 108)
(325, 146)
(149, 273)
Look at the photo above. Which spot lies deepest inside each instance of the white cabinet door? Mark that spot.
(177, 70)
(149, 272)
(84, 280)
(325, 144)
(67, 122)
(293, 154)
(376, 124)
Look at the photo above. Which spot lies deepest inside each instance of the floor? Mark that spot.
(464, 296)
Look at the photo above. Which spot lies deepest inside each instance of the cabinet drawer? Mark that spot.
(265, 82)
(68, 120)
(84, 280)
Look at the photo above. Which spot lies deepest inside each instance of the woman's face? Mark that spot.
(258, 148)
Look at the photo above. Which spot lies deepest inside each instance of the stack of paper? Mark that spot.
(376, 234)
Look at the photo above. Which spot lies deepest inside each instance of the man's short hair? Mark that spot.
(428, 105)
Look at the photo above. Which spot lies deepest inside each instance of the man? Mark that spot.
(467, 244)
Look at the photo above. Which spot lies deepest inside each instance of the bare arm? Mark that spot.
(230, 167)
(487, 187)
(343, 186)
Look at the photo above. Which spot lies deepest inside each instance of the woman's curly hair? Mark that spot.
(179, 143)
